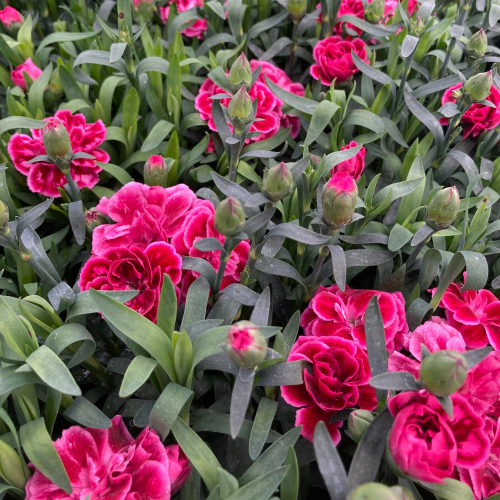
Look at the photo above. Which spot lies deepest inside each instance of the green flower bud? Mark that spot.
(443, 372)
(60, 26)
(297, 9)
(93, 219)
(277, 182)
(11, 466)
(56, 141)
(245, 345)
(358, 423)
(478, 87)
(374, 11)
(183, 356)
(240, 110)
(156, 171)
(145, 9)
(417, 27)
(339, 200)
(240, 74)
(229, 217)
(477, 45)
(443, 208)
(4, 219)
(373, 491)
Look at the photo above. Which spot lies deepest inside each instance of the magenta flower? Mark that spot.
(198, 28)
(333, 312)
(339, 379)
(28, 67)
(108, 464)
(10, 16)
(269, 108)
(44, 177)
(427, 445)
(134, 269)
(143, 215)
(355, 166)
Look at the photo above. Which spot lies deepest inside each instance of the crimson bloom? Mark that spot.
(134, 269)
(478, 117)
(28, 67)
(338, 379)
(333, 312)
(475, 314)
(44, 177)
(334, 60)
(198, 28)
(355, 166)
(427, 444)
(269, 106)
(110, 465)
(10, 16)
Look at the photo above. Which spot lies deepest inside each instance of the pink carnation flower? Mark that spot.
(333, 312)
(198, 28)
(108, 464)
(44, 177)
(28, 67)
(475, 314)
(143, 215)
(134, 269)
(10, 16)
(338, 379)
(199, 224)
(269, 106)
(355, 166)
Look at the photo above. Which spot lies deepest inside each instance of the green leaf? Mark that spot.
(301, 103)
(158, 133)
(198, 453)
(320, 120)
(84, 413)
(240, 398)
(396, 191)
(228, 484)
(167, 408)
(84, 304)
(64, 37)
(290, 484)
(272, 458)
(329, 463)
(130, 109)
(452, 489)
(167, 307)
(261, 488)
(117, 172)
(12, 379)
(138, 329)
(40, 450)
(261, 426)
(52, 371)
(398, 237)
(136, 375)
(16, 122)
(196, 302)
(37, 90)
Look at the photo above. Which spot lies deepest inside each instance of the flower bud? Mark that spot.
(374, 11)
(144, 9)
(358, 423)
(245, 345)
(93, 219)
(443, 372)
(4, 219)
(11, 466)
(478, 87)
(477, 45)
(11, 18)
(443, 208)
(56, 140)
(240, 74)
(240, 110)
(60, 26)
(417, 27)
(373, 491)
(183, 356)
(296, 8)
(277, 182)
(339, 200)
(229, 217)
(156, 171)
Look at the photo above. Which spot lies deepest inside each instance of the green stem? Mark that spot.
(74, 190)
(404, 78)
(293, 47)
(224, 259)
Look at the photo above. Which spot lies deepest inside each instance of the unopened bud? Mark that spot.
(373, 491)
(11, 466)
(60, 26)
(145, 10)
(240, 74)
(457, 94)
(229, 217)
(93, 219)
(156, 171)
(358, 423)
(478, 87)
(443, 372)
(296, 8)
(374, 11)
(183, 356)
(478, 44)
(417, 27)
(443, 208)
(11, 18)
(4, 219)
(240, 110)
(277, 182)
(245, 345)
(339, 200)
(56, 141)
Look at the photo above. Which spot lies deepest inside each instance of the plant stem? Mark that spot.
(224, 259)
(293, 47)
(404, 78)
